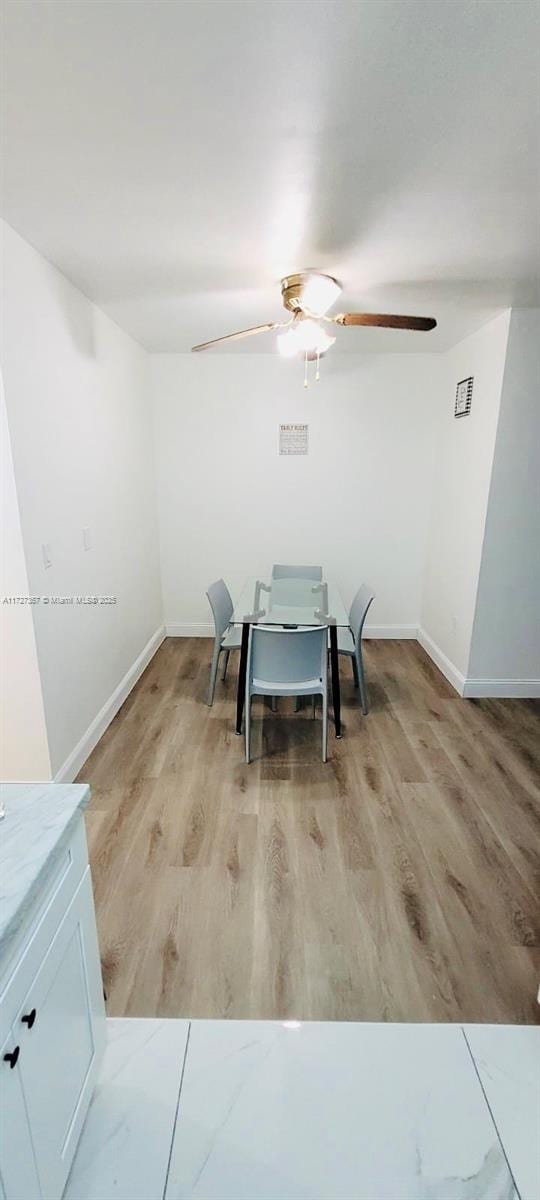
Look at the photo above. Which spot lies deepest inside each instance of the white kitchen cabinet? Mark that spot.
(20, 1177)
(52, 1019)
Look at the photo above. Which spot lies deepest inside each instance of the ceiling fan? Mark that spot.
(307, 296)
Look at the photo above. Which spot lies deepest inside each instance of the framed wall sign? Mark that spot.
(462, 405)
(293, 439)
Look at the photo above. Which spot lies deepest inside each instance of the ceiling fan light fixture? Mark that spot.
(325, 341)
(320, 292)
(287, 343)
(311, 338)
(304, 337)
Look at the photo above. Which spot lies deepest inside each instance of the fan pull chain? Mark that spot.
(305, 370)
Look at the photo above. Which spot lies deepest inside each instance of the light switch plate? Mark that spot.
(87, 538)
(47, 556)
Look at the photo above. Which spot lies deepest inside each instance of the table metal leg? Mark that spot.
(241, 692)
(334, 662)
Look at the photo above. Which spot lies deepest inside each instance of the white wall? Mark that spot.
(80, 424)
(464, 457)
(358, 503)
(506, 635)
(24, 750)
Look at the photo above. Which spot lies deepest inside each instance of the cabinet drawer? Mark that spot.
(39, 929)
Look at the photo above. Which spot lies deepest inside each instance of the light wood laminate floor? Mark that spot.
(397, 882)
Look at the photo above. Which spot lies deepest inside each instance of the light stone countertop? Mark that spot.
(39, 821)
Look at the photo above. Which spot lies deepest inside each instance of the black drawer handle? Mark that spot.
(12, 1058)
(29, 1018)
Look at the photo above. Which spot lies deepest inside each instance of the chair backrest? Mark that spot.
(294, 593)
(287, 656)
(221, 605)
(283, 571)
(358, 610)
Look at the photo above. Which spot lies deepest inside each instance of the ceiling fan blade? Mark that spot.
(233, 337)
(385, 321)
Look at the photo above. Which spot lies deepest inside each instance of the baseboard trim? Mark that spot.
(448, 669)
(71, 767)
(479, 689)
(399, 632)
(504, 689)
(176, 629)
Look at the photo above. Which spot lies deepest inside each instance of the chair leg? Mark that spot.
(362, 681)
(354, 665)
(273, 703)
(213, 673)
(225, 665)
(247, 727)
(325, 727)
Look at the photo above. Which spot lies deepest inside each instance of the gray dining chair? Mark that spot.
(227, 637)
(294, 593)
(350, 640)
(283, 571)
(287, 662)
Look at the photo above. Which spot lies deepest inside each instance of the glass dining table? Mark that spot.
(291, 604)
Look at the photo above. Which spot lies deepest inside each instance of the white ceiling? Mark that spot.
(175, 159)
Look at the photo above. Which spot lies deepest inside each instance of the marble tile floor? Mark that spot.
(261, 1110)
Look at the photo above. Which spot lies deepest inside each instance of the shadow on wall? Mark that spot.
(78, 313)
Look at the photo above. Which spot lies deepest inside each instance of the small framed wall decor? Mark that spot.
(293, 438)
(462, 405)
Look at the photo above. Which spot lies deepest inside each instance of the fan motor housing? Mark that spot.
(293, 286)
